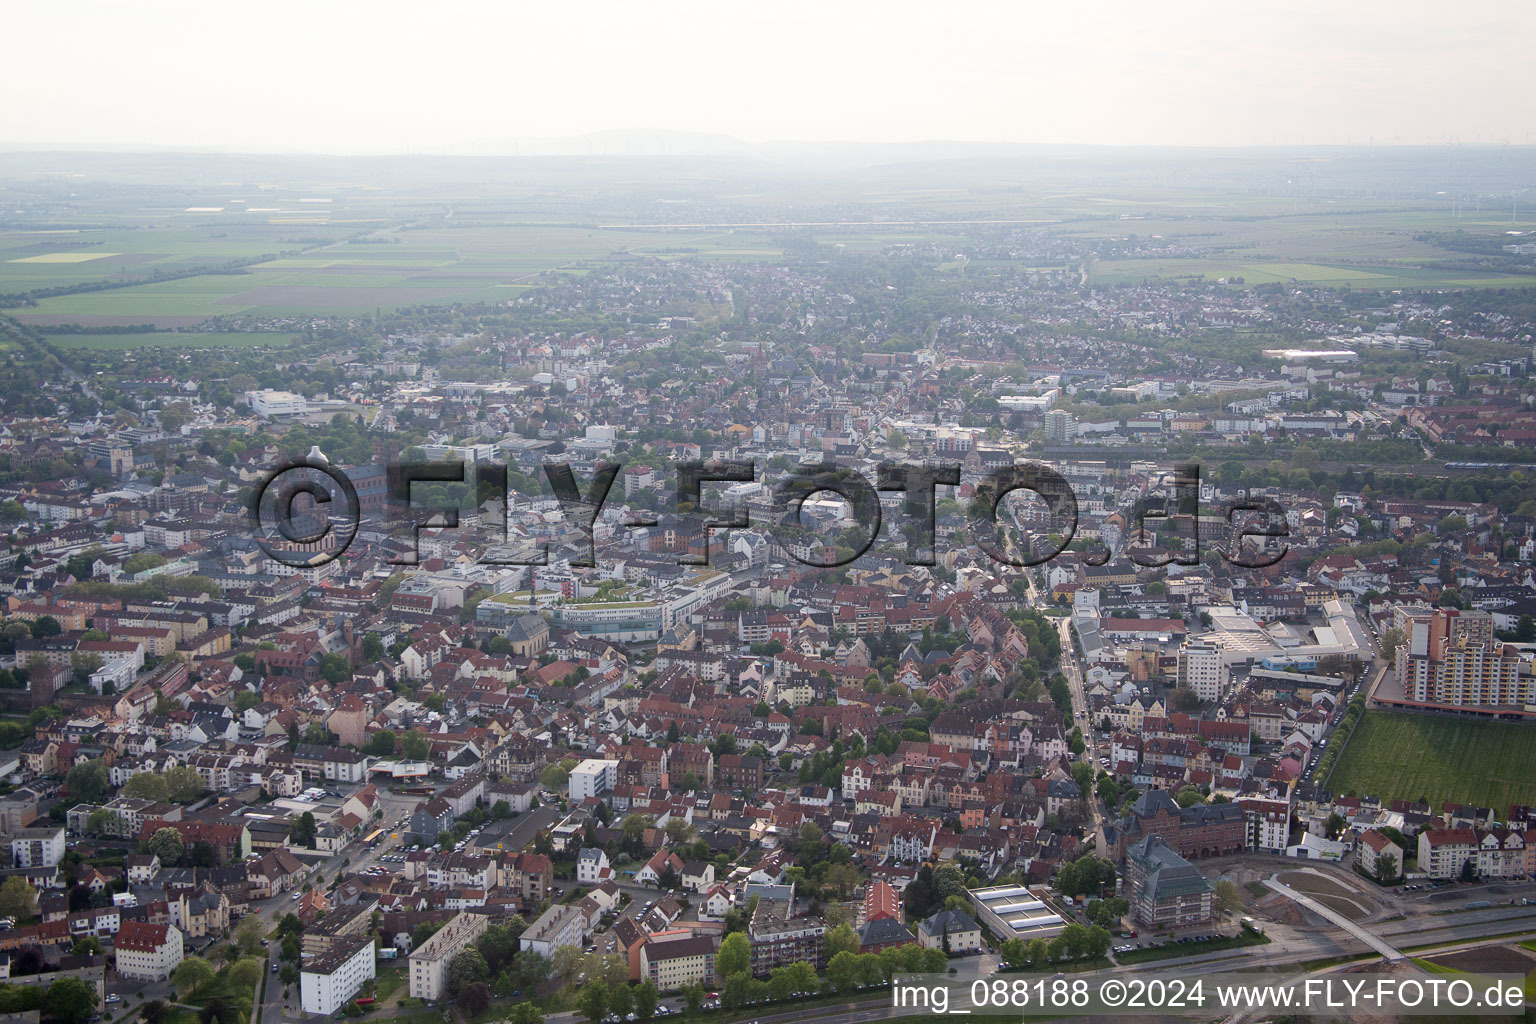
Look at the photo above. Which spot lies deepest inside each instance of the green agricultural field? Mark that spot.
(168, 339)
(1394, 755)
(442, 264)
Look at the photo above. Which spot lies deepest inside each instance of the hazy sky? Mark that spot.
(382, 76)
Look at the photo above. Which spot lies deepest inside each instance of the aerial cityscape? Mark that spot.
(617, 575)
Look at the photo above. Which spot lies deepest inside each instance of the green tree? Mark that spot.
(841, 939)
(620, 1001)
(146, 786)
(1228, 897)
(218, 1010)
(566, 961)
(302, 830)
(183, 785)
(249, 935)
(474, 998)
(244, 974)
(17, 898)
(734, 955)
(70, 1001)
(190, 975)
(592, 1002)
(88, 781)
(645, 999)
(415, 745)
(382, 743)
(465, 969)
(843, 971)
(554, 777)
(334, 668)
(373, 647)
(736, 990)
(525, 1012)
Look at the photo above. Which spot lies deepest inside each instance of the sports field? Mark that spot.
(1393, 755)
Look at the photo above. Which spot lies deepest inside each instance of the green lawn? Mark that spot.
(389, 981)
(1394, 756)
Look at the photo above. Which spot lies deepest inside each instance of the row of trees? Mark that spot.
(1341, 735)
(1076, 942)
(847, 970)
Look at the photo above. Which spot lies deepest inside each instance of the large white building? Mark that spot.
(593, 777)
(1202, 669)
(430, 960)
(1015, 912)
(328, 981)
(37, 847)
(147, 952)
(560, 925)
(267, 402)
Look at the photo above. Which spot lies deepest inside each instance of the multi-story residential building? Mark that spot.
(778, 937)
(1492, 853)
(429, 962)
(1203, 669)
(338, 928)
(1269, 823)
(560, 925)
(591, 866)
(593, 777)
(738, 771)
(37, 847)
(327, 981)
(147, 952)
(952, 930)
(1164, 889)
(1444, 852)
(674, 962)
(1368, 854)
(1451, 659)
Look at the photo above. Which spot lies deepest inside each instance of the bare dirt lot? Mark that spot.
(1336, 895)
(1489, 960)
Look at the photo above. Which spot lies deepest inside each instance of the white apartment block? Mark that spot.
(1202, 669)
(560, 925)
(327, 982)
(1494, 852)
(429, 962)
(37, 847)
(593, 777)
